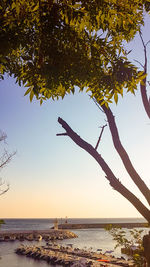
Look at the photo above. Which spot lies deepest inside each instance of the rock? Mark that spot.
(37, 235)
(30, 237)
(6, 238)
(1, 238)
(21, 237)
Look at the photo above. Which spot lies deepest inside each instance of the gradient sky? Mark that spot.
(51, 176)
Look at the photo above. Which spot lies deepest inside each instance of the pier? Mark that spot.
(101, 225)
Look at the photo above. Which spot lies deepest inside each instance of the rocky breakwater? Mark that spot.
(69, 256)
(37, 235)
(100, 225)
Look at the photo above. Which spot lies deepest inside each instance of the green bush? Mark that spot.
(127, 241)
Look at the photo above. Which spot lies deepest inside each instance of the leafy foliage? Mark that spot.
(53, 46)
(134, 238)
(2, 222)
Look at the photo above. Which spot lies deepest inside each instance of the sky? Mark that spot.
(51, 176)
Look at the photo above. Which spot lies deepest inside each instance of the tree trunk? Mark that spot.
(146, 245)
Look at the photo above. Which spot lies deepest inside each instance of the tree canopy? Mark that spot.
(52, 46)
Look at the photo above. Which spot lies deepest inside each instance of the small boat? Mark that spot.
(38, 238)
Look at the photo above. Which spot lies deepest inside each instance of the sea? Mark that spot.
(89, 239)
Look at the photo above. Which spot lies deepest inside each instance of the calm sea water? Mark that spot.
(44, 224)
(87, 238)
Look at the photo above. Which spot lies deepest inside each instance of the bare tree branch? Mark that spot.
(144, 96)
(100, 136)
(124, 156)
(145, 55)
(97, 105)
(6, 158)
(3, 188)
(114, 182)
(3, 137)
(147, 43)
(139, 63)
(60, 134)
(4, 191)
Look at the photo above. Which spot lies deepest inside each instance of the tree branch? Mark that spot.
(5, 159)
(139, 63)
(97, 105)
(143, 90)
(2, 190)
(100, 136)
(114, 182)
(124, 156)
(60, 134)
(3, 136)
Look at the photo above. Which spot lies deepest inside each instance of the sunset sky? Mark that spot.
(51, 176)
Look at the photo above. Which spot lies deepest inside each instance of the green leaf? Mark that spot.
(13, 5)
(116, 98)
(31, 95)
(42, 90)
(28, 84)
(35, 8)
(2, 67)
(28, 91)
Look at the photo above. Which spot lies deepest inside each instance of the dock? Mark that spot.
(72, 226)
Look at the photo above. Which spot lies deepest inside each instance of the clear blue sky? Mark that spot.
(50, 176)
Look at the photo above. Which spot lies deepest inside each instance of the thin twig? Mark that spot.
(145, 54)
(143, 90)
(2, 189)
(6, 158)
(97, 104)
(147, 43)
(141, 38)
(60, 134)
(139, 63)
(3, 137)
(99, 139)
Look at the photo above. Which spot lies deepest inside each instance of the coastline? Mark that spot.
(96, 239)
